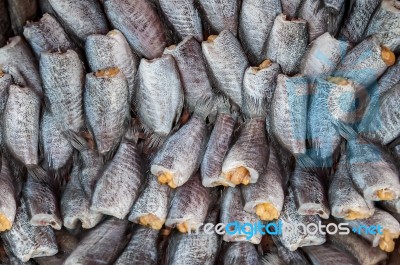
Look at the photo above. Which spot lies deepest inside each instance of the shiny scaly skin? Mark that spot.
(326, 253)
(241, 253)
(316, 16)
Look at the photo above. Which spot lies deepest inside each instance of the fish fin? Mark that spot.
(77, 141)
(204, 106)
(305, 161)
(346, 131)
(38, 173)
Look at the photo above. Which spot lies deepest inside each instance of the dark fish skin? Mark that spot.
(180, 156)
(327, 255)
(8, 205)
(310, 193)
(358, 247)
(5, 82)
(288, 115)
(227, 63)
(47, 35)
(250, 153)
(296, 257)
(290, 7)
(385, 23)
(20, 12)
(392, 206)
(255, 23)
(335, 5)
(139, 22)
(184, 17)
(323, 55)
(217, 147)
(240, 253)
(192, 69)
(7, 258)
(17, 59)
(112, 50)
(141, 249)
(316, 16)
(106, 107)
(26, 241)
(357, 20)
(5, 23)
(45, 7)
(101, 245)
(21, 125)
(88, 17)
(63, 77)
(42, 203)
(120, 181)
(394, 258)
(220, 15)
(287, 43)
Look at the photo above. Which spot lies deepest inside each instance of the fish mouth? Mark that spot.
(151, 220)
(266, 211)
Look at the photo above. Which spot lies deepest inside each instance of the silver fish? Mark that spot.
(290, 7)
(5, 24)
(290, 216)
(344, 199)
(328, 254)
(316, 16)
(357, 20)
(7, 257)
(232, 210)
(102, 245)
(241, 253)
(192, 69)
(220, 15)
(112, 50)
(142, 248)
(63, 77)
(255, 23)
(372, 170)
(385, 24)
(389, 229)
(184, 17)
(17, 59)
(190, 205)
(120, 181)
(20, 12)
(227, 63)
(26, 241)
(8, 205)
(5, 82)
(47, 35)
(358, 247)
(309, 193)
(180, 156)
(296, 257)
(287, 43)
(289, 113)
(217, 147)
(139, 22)
(389, 79)
(159, 106)
(265, 198)
(335, 5)
(75, 200)
(152, 206)
(323, 55)
(392, 206)
(21, 125)
(88, 17)
(106, 107)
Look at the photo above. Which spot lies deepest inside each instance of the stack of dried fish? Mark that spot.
(170, 131)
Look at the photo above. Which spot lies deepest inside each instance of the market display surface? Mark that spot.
(243, 132)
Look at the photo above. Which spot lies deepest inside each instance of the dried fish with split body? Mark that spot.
(47, 35)
(152, 206)
(227, 63)
(139, 22)
(255, 23)
(287, 43)
(8, 205)
(20, 12)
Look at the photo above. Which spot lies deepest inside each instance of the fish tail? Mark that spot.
(77, 141)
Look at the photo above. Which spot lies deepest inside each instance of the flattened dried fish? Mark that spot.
(227, 63)
(287, 43)
(88, 17)
(139, 22)
(241, 253)
(159, 106)
(265, 198)
(141, 249)
(106, 107)
(8, 205)
(152, 206)
(328, 254)
(120, 180)
(20, 12)
(102, 245)
(26, 241)
(255, 23)
(345, 201)
(192, 69)
(289, 113)
(47, 35)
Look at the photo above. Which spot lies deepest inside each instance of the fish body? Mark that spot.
(20, 12)
(335, 5)
(5, 82)
(290, 7)
(290, 257)
(328, 254)
(316, 16)
(241, 253)
(389, 79)
(8, 205)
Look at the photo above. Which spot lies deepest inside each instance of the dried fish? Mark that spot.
(290, 7)
(8, 205)
(296, 257)
(20, 12)
(328, 254)
(241, 253)
(317, 18)
(5, 24)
